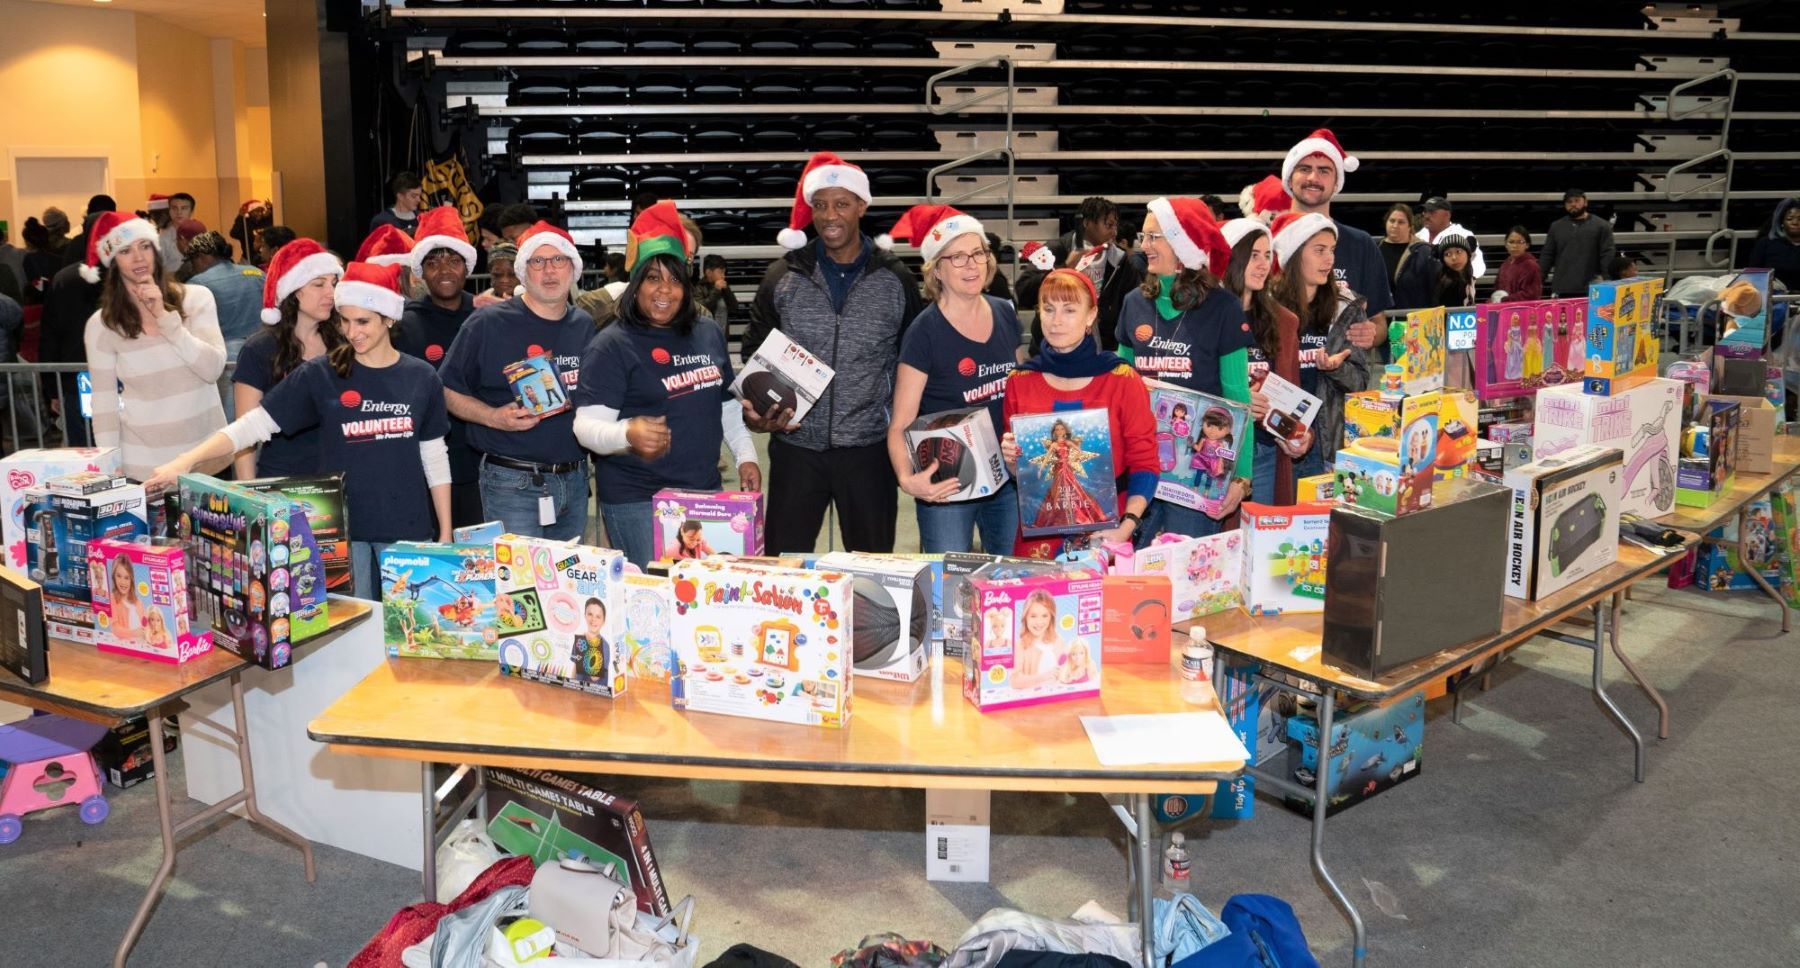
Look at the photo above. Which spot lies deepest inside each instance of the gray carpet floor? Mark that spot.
(1523, 842)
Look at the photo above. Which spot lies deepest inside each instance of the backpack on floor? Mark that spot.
(1264, 934)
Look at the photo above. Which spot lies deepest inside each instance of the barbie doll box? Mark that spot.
(1622, 346)
(1197, 441)
(1033, 639)
(1564, 522)
(1522, 347)
(1284, 557)
(762, 642)
(1066, 483)
(62, 525)
(559, 613)
(141, 601)
(26, 469)
(890, 637)
(782, 373)
(438, 601)
(963, 444)
(1644, 422)
(694, 524)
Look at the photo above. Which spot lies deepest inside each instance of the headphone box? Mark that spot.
(965, 448)
(1135, 627)
(1564, 522)
(781, 371)
(890, 626)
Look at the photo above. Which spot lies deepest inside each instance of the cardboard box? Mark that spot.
(123, 754)
(1135, 626)
(890, 632)
(62, 527)
(537, 385)
(1205, 574)
(484, 533)
(1564, 523)
(762, 642)
(438, 601)
(1622, 346)
(957, 835)
(649, 614)
(1198, 437)
(1033, 639)
(24, 652)
(782, 372)
(321, 496)
(1284, 557)
(140, 601)
(1717, 566)
(1758, 423)
(547, 815)
(957, 600)
(1317, 489)
(255, 575)
(1372, 749)
(1708, 455)
(966, 450)
(85, 483)
(23, 470)
(559, 613)
(694, 524)
(1643, 422)
(1416, 346)
(1066, 482)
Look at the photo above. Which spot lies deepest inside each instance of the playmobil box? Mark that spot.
(1622, 346)
(1198, 437)
(255, 575)
(1033, 639)
(1135, 623)
(963, 445)
(694, 524)
(1205, 574)
(956, 599)
(1564, 522)
(1643, 421)
(141, 602)
(25, 469)
(1417, 348)
(547, 816)
(62, 527)
(1372, 748)
(762, 642)
(321, 496)
(1708, 454)
(537, 385)
(1284, 557)
(559, 613)
(23, 649)
(438, 601)
(890, 630)
(1717, 565)
(649, 612)
(1066, 482)
(782, 373)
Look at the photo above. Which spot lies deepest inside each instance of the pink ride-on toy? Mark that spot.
(51, 767)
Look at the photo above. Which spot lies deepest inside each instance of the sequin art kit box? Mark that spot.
(141, 602)
(559, 613)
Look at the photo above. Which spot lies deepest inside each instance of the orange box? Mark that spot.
(1134, 627)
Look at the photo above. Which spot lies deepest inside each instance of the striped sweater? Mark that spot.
(170, 385)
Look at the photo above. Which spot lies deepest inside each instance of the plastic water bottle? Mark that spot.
(1195, 657)
(1177, 868)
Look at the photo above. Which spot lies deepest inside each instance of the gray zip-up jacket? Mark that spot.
(861, 343)
(1360, 371)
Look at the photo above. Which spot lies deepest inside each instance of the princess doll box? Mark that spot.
(1066, 483)
(1197, 441)
(559, 613)
(1033, 639)
(694, 524)
(141, 601)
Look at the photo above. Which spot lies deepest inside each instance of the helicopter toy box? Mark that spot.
(781, 373)
(762, 641)
(1622, 346)
(65, 516)
(1644, 422)
(255, 576)
(321, 496)
(1372, 749)
(141, 602)
(1033, 639)
(559, 613)
(963, 444)
(1284, 557)
(23, 470)
(1565, 519)
(695, 524)
(437, 601)
(890, 633)
(1198, 437)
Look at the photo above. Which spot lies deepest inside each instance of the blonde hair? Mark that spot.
(1036, 598)
(933, 288)
(130, 577)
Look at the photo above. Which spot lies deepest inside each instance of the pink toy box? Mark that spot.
(141, 601)
(1033, 639)
(1205, 574)
(695, 524)
(1522, 347)
(27, 469)
(559, 613)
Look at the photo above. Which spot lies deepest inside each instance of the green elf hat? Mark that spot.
(659, 232)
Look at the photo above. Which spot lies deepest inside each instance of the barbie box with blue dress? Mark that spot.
(1066, 483)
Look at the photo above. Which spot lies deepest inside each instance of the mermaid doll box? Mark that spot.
(695, 524)
(1066, 483)
(1644, 422)
(559, 613)
(1033, 639)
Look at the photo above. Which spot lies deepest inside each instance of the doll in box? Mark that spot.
(156, 631)
(1515, 348)
(1214, 451)
(127, 608)
(1043, 654)
(1168, 445)
(690, 540)
(1066, 502)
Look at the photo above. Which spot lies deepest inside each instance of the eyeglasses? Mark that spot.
(961, 260)
(1150, 238)
(549, 261)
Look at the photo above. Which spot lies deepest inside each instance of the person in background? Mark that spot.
(1411, 264)
(403, 212)
(41, 261)
(998, 286)
(1778, 248)
(254, 216)
(511, 221)
(68, 301)
(1520, 278)
(269, 241)
(1116, 275)
(56, 222)
(1216, 206)
(1622, 267)
(1331, 366)
(1313, 174)
(12, 266)
(1577, 248)
(181, 207)
(185, 233)
(1439, 221)
(614, 270)
(157, 209)
(1275, 329)
(1456, 277)
(12, 323)
(153, 348)
(714, 292)
(956, 354)
(236, 289)
(299, 324)
(442, 258)
(503, 282)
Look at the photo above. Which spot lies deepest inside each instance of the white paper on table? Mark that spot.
(1163, 738)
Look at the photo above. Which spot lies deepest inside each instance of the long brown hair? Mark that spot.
(289, 354)
(1290, 291)
(1262, 308)
(343, 356)
(1191, 288)
(119, 311)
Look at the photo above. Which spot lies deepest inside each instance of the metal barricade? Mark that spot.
(41, 400)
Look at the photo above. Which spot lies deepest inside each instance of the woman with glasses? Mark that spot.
(1520, 277)
(955, 355)
(1183, 328)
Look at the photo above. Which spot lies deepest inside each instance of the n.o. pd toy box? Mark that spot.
(23, 470)
(1284, 557)
(1643, 421)
(438, 601)
(1033, 639)
(141, 602)
(694, 524)
(62, 525)
(1565, 520)
(559, 613)
(255, 575)
(890, 637)
(762, 642)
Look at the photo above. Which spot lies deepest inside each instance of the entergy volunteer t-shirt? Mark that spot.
(960, 372)
(370, 426)
(1312, 350)
(1186, 350)
(426, 331)
(286, 454)
(495, 336)
(652, 371)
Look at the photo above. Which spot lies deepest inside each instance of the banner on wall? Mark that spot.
(444, 181)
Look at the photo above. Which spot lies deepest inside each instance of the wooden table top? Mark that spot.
(1290, 643)
(1744, 489)
(86, 683)
(923, 734)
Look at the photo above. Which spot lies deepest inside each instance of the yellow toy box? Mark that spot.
(1458, 429)
(1317, 489)
(1622, 347)
(1417, 345)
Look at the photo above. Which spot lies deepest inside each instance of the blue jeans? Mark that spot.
(1262, 481)
(511, 496)
(1312, 465)
(631, 528)
(948, 527)
(365, 569)
(1166, 518)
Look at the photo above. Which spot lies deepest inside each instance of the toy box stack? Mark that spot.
(1389, 458)
(1066, 483)
(1717, 565)
(1622, 346)
(890, 637)
(781, 373)
(559, 613)
(955, 600)
(438, 601)
(1197, 441)
(66, 514)
(1205, 574)
(1033, 639)
(255, 575)
(762, 642)
(1565, 520)
(23, 470)
(1372, 748)
(141, 602)
(694, 524)
(1643, 421)
(1284, 557)
(23, 651)
(649, 610)
(545, 816)
(1708, 454)
(963, 444)
(322, 498)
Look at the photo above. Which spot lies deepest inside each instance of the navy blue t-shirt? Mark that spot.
(650, 371)
(1360, 265)
(286, 454)
(426, 331)
(494, 337)
(1312, 349)
(960, 372)
(370, 426)
(1186, 350)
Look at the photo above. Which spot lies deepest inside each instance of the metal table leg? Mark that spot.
(142, 916)
(1662, 708)
(1321, 803)
(428, 799)
(1144, 891)
(249, 780)
(1612, 709)
(1743, 532)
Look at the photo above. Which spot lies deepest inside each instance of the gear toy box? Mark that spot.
(559, 613)
(1564, 523)
(254, 570)
(1644, 422)
(437, 601)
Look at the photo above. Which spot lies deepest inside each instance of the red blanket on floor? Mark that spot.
(416, 923)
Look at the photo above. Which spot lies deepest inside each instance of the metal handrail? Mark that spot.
(1004, 150)
(1721, 183)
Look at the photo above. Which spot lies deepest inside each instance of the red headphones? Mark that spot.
(1150, 630)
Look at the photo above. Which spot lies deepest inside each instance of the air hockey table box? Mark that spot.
(546, 815)
(1564, 521)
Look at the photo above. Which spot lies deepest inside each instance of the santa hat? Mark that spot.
(931, 227)
(823, 170)
(157, 203)
(111, 233)
(1265, 199)
(1040, 255)
(1320, 142)
(659, 231)
(441, 228)
(386, 245)
(294, 265)
(1291, 231)
(540, 235)
(371, 286)
(1235, 230)
(1188, 225)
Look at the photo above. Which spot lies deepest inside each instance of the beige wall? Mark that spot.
(175, 112)
(294, 93)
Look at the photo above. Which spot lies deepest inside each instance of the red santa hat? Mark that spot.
(441, 228)
(1040, 255)
(1235, 230)
(540, 235)
(386, 245)
(294, 265)
(371, 286)
(931, 227)
(1265, 199)
(1291, 230)
(112, 232)
(1188, 225)
(823, 170)
(1320, 142)
(157, 203)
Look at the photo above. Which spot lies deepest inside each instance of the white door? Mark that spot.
(41, 181)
